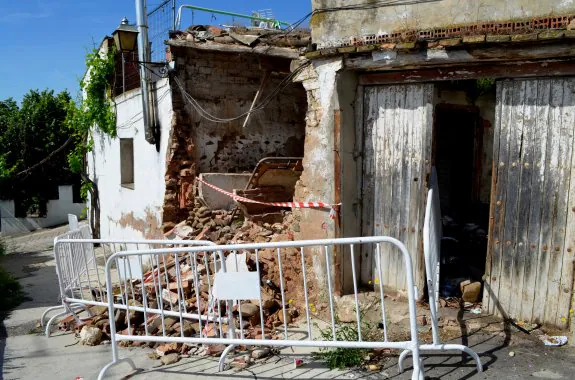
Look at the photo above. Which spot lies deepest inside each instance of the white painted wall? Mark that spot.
(57, 213)
(132, 213)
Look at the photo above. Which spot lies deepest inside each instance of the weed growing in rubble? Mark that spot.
(340, 358)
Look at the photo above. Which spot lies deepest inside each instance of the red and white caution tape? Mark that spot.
(333, 207)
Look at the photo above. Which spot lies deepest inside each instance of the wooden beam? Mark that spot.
(271, 51)
(503, 70)
(468, 55)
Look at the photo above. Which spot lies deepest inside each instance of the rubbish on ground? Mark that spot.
(554, 341)
(297, 363)
(477, 310)
(374, 368)
(511, 353)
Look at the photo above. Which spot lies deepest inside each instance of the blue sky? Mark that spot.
(45, 41)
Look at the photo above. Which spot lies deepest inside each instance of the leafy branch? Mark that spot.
(96, 111)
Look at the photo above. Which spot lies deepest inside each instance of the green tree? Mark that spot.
(35, 142)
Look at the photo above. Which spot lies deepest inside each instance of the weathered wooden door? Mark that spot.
(529, 270)
(398, 126)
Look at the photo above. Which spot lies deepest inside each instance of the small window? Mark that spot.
(127, 163)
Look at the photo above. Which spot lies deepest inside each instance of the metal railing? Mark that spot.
(220, 280)
(161, 20)
(80, 267)
(432, 234)
(270, 21)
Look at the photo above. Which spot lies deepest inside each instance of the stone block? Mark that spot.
(551, 34)
(366, 48)
(406, 46)
(524, 37)
(347, 49)
(498, 38)
(477, 39)
(450, 42)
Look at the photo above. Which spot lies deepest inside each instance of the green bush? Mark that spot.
(11, 291)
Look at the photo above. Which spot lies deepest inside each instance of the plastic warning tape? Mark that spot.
(333, 207)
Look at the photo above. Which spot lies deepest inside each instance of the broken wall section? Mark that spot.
(224, 85)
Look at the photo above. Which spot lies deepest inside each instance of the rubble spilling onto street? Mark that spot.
(219, 226)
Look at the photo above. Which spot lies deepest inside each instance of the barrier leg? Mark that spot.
(222, 361)
(102, 374)
(443, 347)
(402, 357)
(50, 309)
(72, 309)
(49, 324)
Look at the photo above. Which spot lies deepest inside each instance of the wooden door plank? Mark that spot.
(426, 128)
(565, 127)
(539, 138)
(511, 199)
(565, 295)
(491, 263)
(548, 207)
(399, 184)
(522, 261)
(368, 181)
(554, 262)
(395, 182)
(543, 116)
(387, 97)
(382, 191)
(415, 100)
(499, 188)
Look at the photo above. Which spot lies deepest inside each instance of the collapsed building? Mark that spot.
(484, 97)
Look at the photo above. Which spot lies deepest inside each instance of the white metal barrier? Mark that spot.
(80, 266)
(432, 234)
(223, 272)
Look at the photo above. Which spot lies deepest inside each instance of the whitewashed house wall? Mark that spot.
(125, 212)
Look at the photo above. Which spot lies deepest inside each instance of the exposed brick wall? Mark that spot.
(225, 84)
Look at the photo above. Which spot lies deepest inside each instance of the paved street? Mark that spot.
(26, 354)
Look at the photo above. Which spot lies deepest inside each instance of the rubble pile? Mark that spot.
(216, 226)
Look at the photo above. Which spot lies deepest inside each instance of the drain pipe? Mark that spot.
(144, 56)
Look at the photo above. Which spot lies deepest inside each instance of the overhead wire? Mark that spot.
(261, 105)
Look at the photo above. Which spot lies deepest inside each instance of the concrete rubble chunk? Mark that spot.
(90, 336)
(170, 359)
(249, 310)
(260, 353)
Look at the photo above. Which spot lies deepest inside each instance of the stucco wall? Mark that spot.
(335, 28)
(318, 178)
(125, 212)
(57, 213)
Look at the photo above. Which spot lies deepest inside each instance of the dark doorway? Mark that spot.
(458, 157)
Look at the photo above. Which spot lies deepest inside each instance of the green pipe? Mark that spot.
(276, 23)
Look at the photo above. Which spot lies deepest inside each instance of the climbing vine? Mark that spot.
(95, 112)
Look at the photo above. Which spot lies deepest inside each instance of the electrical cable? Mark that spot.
(261, 105)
